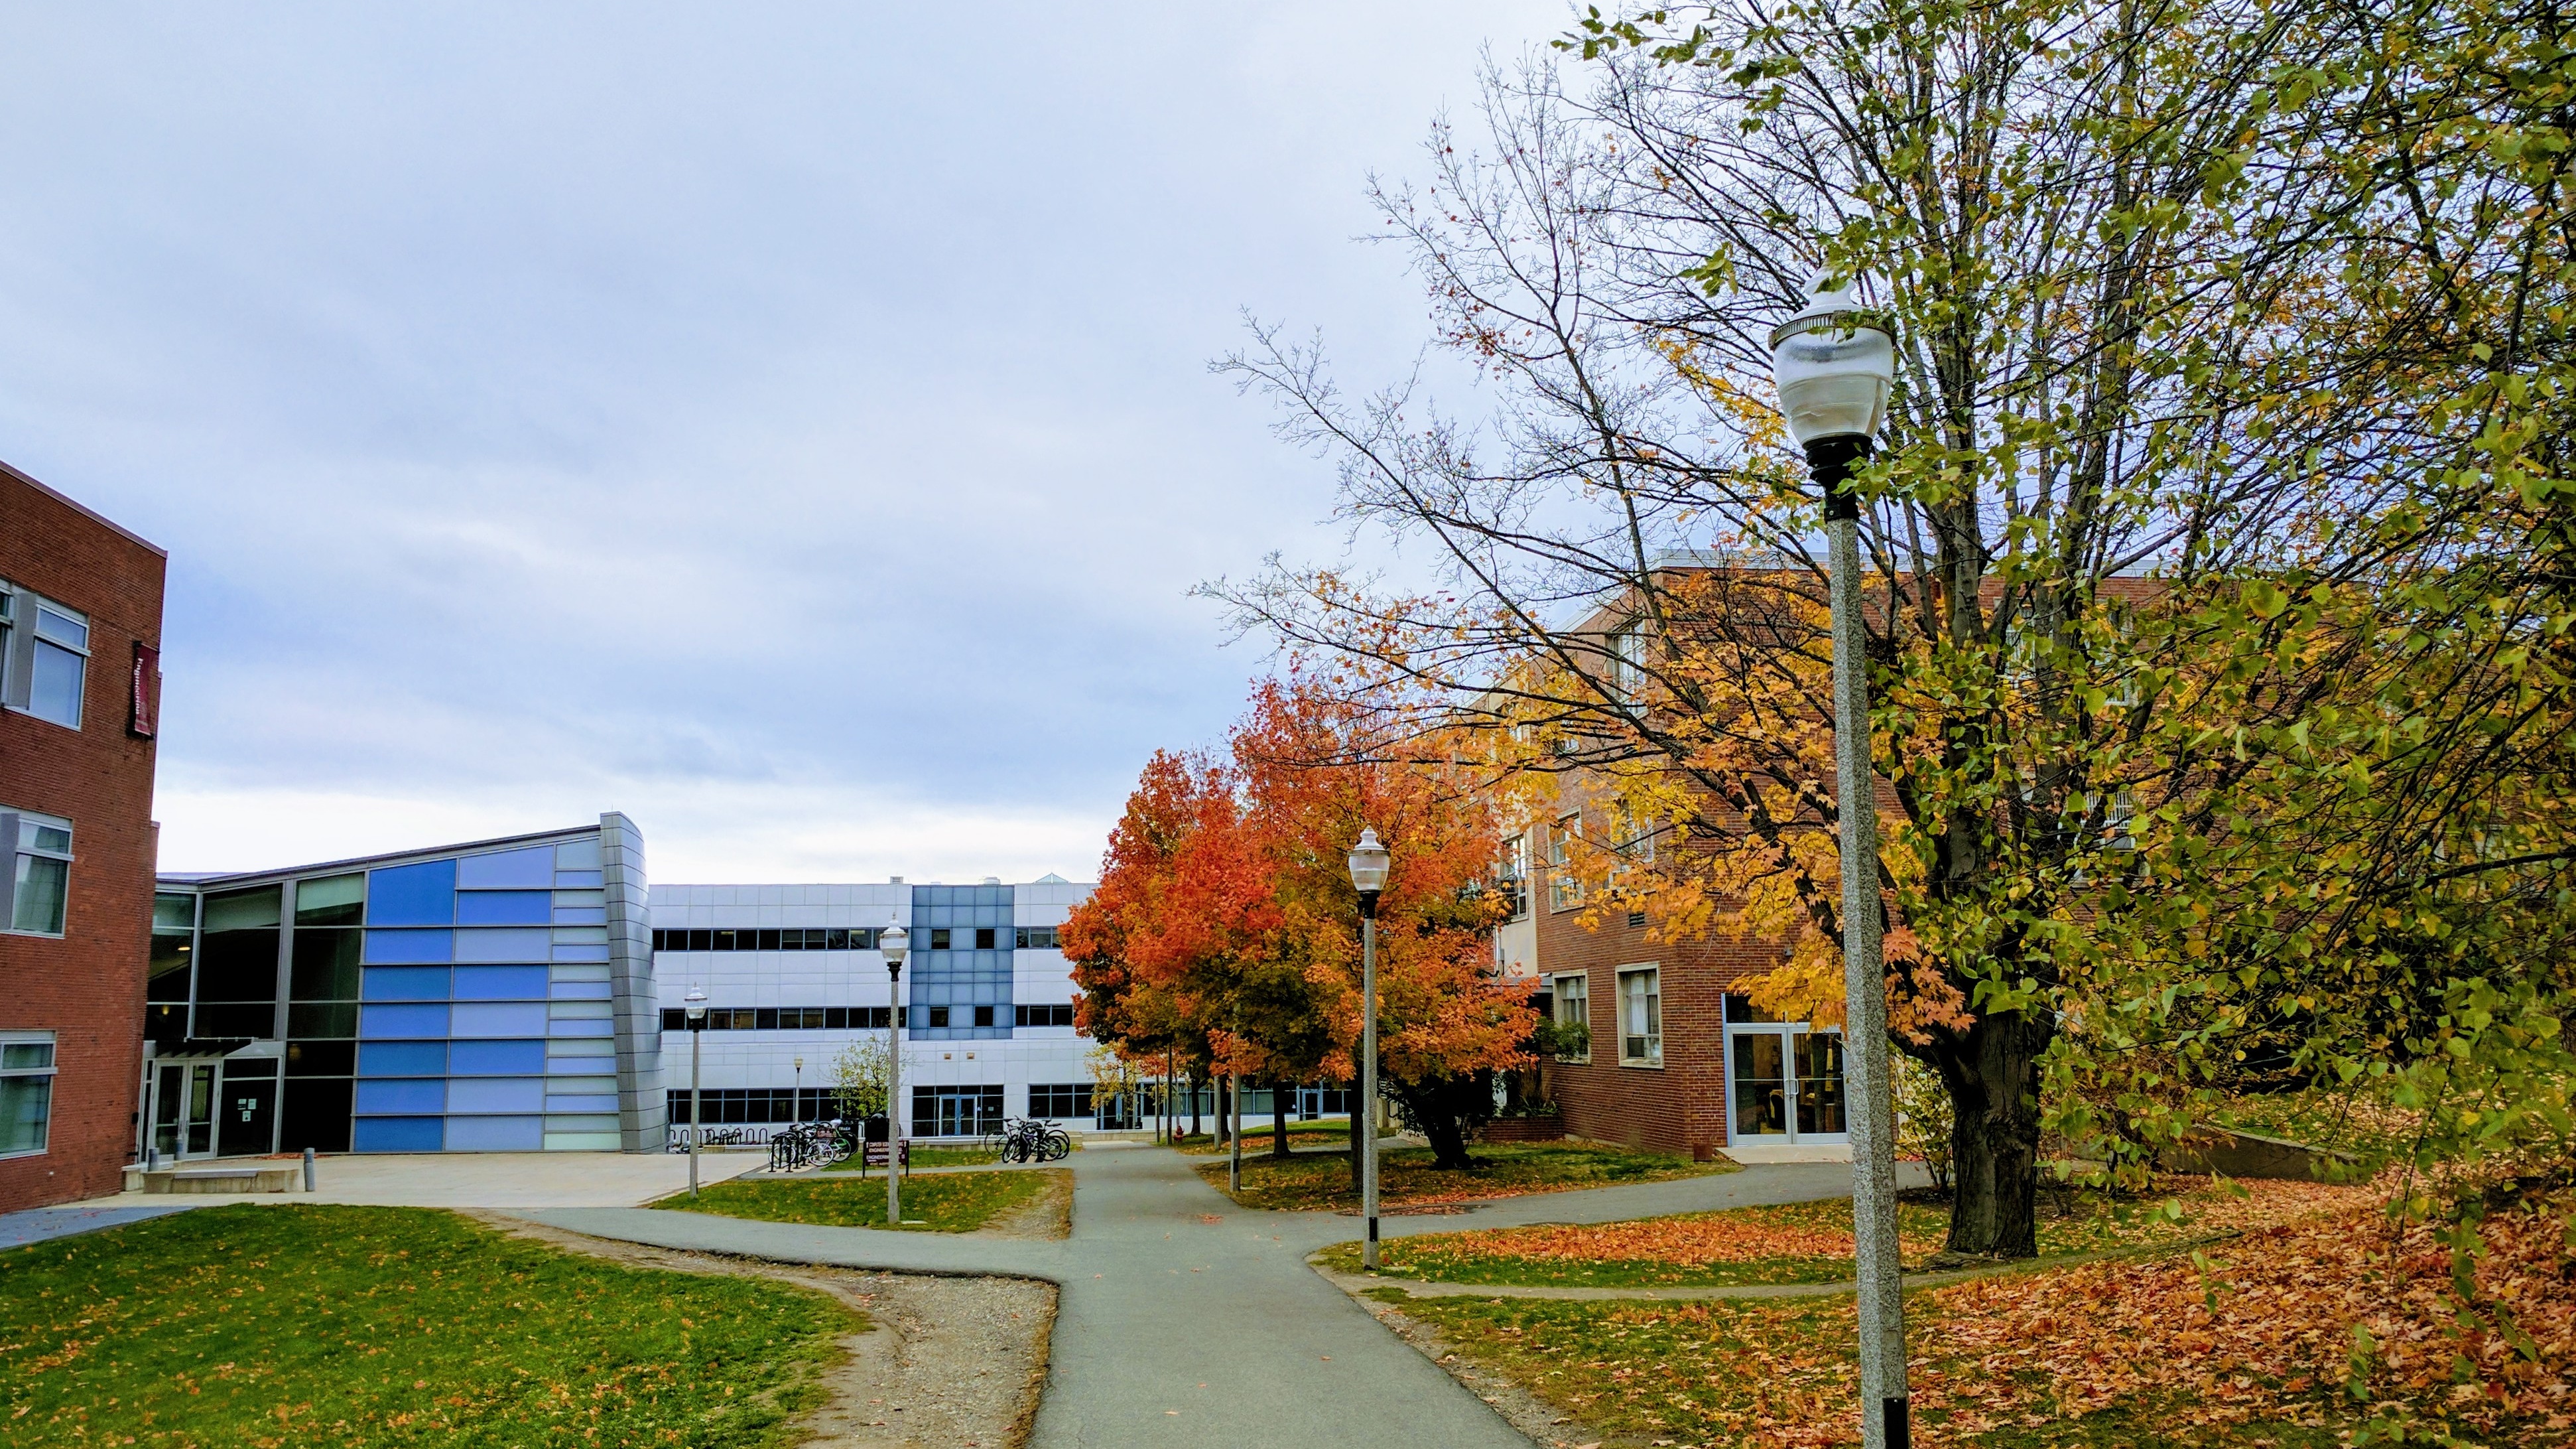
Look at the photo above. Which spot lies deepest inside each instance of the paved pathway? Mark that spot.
(1185, 1320)
(37, 1225)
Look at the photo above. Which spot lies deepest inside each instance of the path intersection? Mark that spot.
(1183, 1319)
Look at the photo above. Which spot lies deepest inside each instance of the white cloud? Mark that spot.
(790, 426)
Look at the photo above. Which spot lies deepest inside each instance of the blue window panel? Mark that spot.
(496, 1094)
(582, 991)
(398, 1134)
(500, 983)
(495, 1019)
(602, 1103)
(577, 880)
(403, 983)
(504, 908)
(581, 953)
(503, 945)
(580, 854)
(413, 895)
(378, 1022)
(401, 1095)
(585, 1028)
(581, 915)
(402, 1059)
(496, 1134)
(401, 948)
(534, 866)
(497, 1058)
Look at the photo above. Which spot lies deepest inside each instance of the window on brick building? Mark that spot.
(26, 1091)
(36, 883)
(1564, 888)
(1574, 1011)
(44, 653)
(1641, 1018)
(1511, 876)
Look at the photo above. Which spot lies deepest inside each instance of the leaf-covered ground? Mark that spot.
(1812, 1242)
(947, 1202)
(1406, 1177)
(295, 1325)
(2294, 1335)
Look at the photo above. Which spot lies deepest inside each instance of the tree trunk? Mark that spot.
(1194, 1104)
(1278, 1120)
(1993, 1078)
(1224, 1109)
(1448, 1143)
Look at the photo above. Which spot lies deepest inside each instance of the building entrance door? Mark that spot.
(1785, 1083)
(183, 1108)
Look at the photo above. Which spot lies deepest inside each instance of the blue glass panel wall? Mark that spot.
(483, 980)
(966, 980)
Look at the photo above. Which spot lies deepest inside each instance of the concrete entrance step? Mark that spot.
(217, 1176)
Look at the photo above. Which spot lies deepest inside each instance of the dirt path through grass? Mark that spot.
(944, 1362)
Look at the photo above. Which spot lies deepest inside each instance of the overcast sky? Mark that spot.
(787, 424)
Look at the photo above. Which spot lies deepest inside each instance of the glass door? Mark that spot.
(1785, 1083)
(183, 1110)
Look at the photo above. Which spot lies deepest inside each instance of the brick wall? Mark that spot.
(1680, 1106)
(87, 987)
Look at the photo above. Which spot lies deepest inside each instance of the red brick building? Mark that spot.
(80, 640)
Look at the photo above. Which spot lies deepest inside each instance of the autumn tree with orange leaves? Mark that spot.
(1225, 928)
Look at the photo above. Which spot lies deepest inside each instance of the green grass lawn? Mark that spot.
(954, 1202)
(1302, 1136)
(389, 1326)
(1406, 1176)
(1811, 1242)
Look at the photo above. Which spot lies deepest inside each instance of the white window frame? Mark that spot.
(1580, 999)
(23, 635)
(1564, 887)
(1628, 659)
(1515, 874)
(18, 839)
(46, 1073)
(1651, 1030)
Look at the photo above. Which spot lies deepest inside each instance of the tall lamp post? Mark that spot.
(1368, 874)
(797, 1109)
(1834, 366)
(892, 941)
(696, 1011)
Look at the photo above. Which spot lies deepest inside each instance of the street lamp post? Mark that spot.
(696, 1011)
(796, 1107)
(1368, 875)
(1834, 367)
(892, 941)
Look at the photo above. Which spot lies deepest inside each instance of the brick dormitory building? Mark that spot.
(80, 639)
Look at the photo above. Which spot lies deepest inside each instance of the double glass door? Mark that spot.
(214, 1108)
(183, 1109)
(1786, 1083)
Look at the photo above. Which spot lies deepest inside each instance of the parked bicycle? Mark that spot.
(1025, 1139)
(810, 1144)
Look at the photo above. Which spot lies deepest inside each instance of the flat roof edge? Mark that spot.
(83, 509)
(201, 879)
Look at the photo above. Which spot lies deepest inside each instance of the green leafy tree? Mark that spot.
(2174, 559)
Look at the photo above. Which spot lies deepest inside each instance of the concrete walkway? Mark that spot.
(1185, 1321)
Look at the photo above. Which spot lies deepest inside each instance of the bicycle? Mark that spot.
(1026, 1139)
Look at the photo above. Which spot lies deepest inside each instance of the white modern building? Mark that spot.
(792, 977)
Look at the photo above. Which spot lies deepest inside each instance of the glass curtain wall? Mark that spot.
(171, 983)
(322, 1012)
(237, 965)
